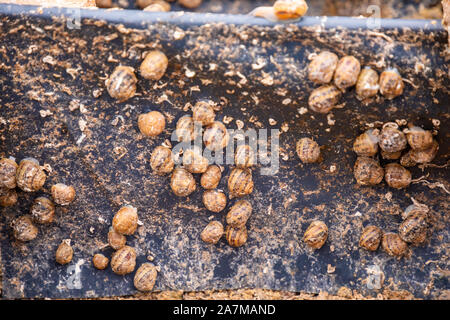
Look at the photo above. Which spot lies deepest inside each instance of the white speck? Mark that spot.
(358, 214)
(81, 138)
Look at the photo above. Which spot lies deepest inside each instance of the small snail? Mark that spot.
(211, 177)
(240, 182)
(121, 84)
(104, 4)
(194, 162)
(190, 4)
(158, 7)
(244, 157)
(391, 138)
(100, 262)
(414, 228)
(161, 160)
(214, 200)
(29, 176)
(415, 209)
(425, 156)
(367, 85)
(324, 98)
(185, 129)
(391, 84)
(366, 144)
(370, 238)
(8, 169)
(239, 213)
(212, 232)
(316, 234)
(321, 68)
(347, 72)
(8, 197)
(24, 229)
(418, 138)
(182, 182)
(391, 155)
(116, 240)
(367, 171)
(155, 62)
(145, 277)
(289, 9)
(216, 136)
(141, 4)
(236, 237)
(396, 176)
(63, 194)
(125, 221)
(64, 253)
(123, 260)
(43, 210)
(394, 245)
(204, 113)
(151, 124)
(308, 150)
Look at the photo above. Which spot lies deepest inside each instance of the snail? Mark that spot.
(185, 129)
(100, 262)
(29, 175)
(145, 277)
(367, 84)
(182, 182)
(116, 240)
(418, 138)
(370, 238)
(211, 177)
(244, 157)
(316, 234)
(121, 84)
(216, 136)
(282, 10)
(236, 237)
(155, 63)
(321, 68)
(8, 169)
(324, 98)
(24, 229)
(123, 261)
(239, 213)
(125, 221)
(151, 124)
(393, 245)
(203, 113)
(425, 156)
(391, 84)
(308, 150)
(347, 72)
(43, 210)
(214, 200)
(413, 229)
(396, 176)
(190, 4)
(366, 144)
(8, 197)
(240, 182)
(63, 194)
(391, 139)
(161, 160)
(64, 253)
(212, 232)
(367, 171)
(194, 162)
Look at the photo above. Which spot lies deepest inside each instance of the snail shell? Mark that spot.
(24, 229)
(142, 4)
(366, 144)
(8, 197)
(391, 84)
(289, 9)
(43, 210)
(190, 4)
(347, 72)
(204, 113)
(244, 157)
(194, 162)
(155, 62)
(425, 156)
(370, 238)
(216, 136)
(64, 253)
(211, 177)
(390, 155)
(316, 234)
(239, 213)
(391, 138)
(100, 262)
(8, 169)
(214, 200)
(240, 182)
(324, 98)
(185, 129)
(145, 277)
(63, 194)
(125, 221)
(116, 240)
(414, 228)
(182, 182)
(157, 7)
(396, 176)
(121, 84)
(367, 85)
(308, 150)
(236, 237)
(367, 171)
(418, 138)
(123, 260)
(321, 68)
(406, 160)
(29, 176)
(161, 160)
(151, 124)
(394, 245)
(212, 232)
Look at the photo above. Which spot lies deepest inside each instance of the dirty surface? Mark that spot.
(54, 107)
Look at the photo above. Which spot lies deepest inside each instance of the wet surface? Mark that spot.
(54, 107)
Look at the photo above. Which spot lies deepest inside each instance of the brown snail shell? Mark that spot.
(194, 162)
(239, 213)
(24, 229)
(425, 156)
(289, 9)
(367, 171)
(64, 253)
(418, 138)
(316, 234)
(29, 176)
(125, 221)
(321, 68)
(391, 84)
(203, 113)
(214, 200)
(367, 85)
(308, 150)
(406, 160)
(370, 238)
(43, 210)
(123, 260)
(413, 229)
(396, 176)
(182, 182)
(142, 4)
(347, 72)
(366, 144)
(145, 277)
(216, 136)
(155, 62)
(212, 232)
(244, 157)
(151, 124)
(116, 240)
(63, 194)
(236, 237)
(8, 197)
(190, 4)
(121, 84)
(185, 129)
(100, 262)
(161, 160)
(211, 177)
(391, 155)
(324, 98)
(393, 245)
(8, 169)
(240, 182)
(391, 138)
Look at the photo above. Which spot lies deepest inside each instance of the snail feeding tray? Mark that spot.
(54, 107)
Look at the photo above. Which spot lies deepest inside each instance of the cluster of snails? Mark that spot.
(282, 10)
(182, 182)
(123, 260)
(30, 177)
(392, 143)
(345, 73)
(413, 230)
(121, 84)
